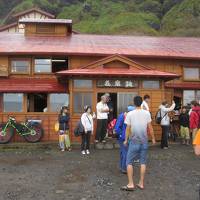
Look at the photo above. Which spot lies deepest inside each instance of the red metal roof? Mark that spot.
(117, 72)
(133, 69)
(4, 27)
(185, 85)
(31, 85)
(80, 44)
(33, 10)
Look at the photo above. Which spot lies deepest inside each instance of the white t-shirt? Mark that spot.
(102, 106)
(138, 120)
(145, 105)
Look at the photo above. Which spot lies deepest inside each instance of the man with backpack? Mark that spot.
(195, 118)
(165, 122)
(120, 129)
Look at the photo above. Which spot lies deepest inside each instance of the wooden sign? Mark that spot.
(117, 83)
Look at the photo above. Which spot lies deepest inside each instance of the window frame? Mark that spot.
(22, 103)
(190, 79)
(195, 95)
(73, 98)
(49, 101)
(142, 85)
(83, 88)
(44, 58)
(19, 59)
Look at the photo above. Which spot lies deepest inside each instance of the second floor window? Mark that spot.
(192, 73)
(20, 66)
(42, 65)
(48, 65)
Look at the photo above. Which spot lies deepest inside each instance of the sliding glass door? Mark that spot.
(123, 100)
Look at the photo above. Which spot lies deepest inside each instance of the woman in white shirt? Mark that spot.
(88, 124)
(165, 122)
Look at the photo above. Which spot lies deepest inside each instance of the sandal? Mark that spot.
(139, 187)
(129, 189)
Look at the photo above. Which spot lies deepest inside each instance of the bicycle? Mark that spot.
(31, 130)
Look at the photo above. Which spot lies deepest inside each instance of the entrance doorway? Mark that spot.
(113, 99)
(120, 101)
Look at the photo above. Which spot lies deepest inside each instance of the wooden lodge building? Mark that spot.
(48, 66)
(13, 25)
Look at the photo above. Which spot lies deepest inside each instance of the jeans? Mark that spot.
(85, 145)
(136, 151)
(101, 129)
(123, 154)
(165, 134)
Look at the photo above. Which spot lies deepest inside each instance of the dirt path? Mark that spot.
(50, 175)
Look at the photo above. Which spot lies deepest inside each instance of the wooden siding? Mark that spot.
(49, 119)
(48, 122)
(3, 66)
(59, 30)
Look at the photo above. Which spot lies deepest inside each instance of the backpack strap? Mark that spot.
(163, 115)
(88, 119)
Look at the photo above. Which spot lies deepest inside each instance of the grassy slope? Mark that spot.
(183, 19)
(135, 17)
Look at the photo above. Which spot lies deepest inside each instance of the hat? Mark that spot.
(130, 108)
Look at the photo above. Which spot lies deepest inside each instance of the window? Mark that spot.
(13, 102)
(151, 84)
(20, 66)
(82, 83)
(192, 73)
(59, 64)
(45, 28)
(124, 99)
(57, 101)
(37, 102)
(42, 65)
(47, 65)
(80, 100)
(190, 95)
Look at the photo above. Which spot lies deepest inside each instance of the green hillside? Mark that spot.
(133, 17)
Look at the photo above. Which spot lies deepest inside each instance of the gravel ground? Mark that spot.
(172, 174)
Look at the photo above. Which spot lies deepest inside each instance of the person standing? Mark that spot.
(110, 106)
(146, 102)
(184, 126)
(102, 119)
(63, 119)
(87, 122)
(137, 122)
(165, 122)
(120, 129)
(194, 118)
(196, 143)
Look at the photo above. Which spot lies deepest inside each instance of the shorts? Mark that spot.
(62, 132)
(137, 151)
(185, 132)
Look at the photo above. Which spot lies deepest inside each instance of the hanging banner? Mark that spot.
(117, 83)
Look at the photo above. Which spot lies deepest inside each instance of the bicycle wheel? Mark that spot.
(6, 136)
(36, 133)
